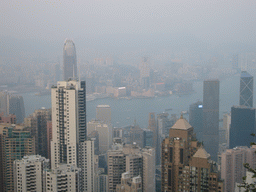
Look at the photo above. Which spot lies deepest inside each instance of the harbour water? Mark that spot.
(125, 111)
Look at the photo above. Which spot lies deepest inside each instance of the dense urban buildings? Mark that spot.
(130, 158)
(28, 173)
(243, 121)
(246, 89)
(211, 117)
(185, 164)
(232, 165)
(69, 60)
(15, 143)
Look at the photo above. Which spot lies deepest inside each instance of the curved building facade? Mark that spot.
(69, 60)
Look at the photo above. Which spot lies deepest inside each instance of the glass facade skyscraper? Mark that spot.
(69, 60)
(246, 89)
(242, 126)
(211, 117)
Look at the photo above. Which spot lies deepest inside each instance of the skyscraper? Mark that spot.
(103, 113)
(242, 126)
(211, 117)
(246, 89)
(69, 60)
(69, 126)
(196, 118)
(186, 166)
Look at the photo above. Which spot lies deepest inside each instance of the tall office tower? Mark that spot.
(15, 143)
(144, 73)
(28, 173)
(211, 117)
(149, 180)
(163, 126)
(148, 138)
(242, 126)
(62, 178)
(12, 104)
(38, 124)
(246, 89)
(103, 113)
(103, 182)
(69, 125)
(153, 127)
(69, 60)
(129, 183)
(196, 118)
(130, 158)
(137, 135)
(185, 165)
(105, 134)
(232, 165)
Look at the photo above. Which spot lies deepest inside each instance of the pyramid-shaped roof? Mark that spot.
(181, 124)
(201, 153)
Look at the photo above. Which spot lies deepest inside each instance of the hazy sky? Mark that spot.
(210, 20)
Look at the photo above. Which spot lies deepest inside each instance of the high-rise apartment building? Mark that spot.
(130, 158)
(87, 166)
(105, 134)
(185, 165)
(243, 121)
(103, 113)
(232, 165)
(28, 173)
(38, 124)
(64, 177)
(69, 126)
(15, 143)
(211, 117)
(196, 118)
(69, 60)
(246, 89)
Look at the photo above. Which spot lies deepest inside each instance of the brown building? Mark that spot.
(15, 143)
(185, 165)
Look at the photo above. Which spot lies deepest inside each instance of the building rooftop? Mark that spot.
(201, 153)
(181, 124)
(245, 74)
